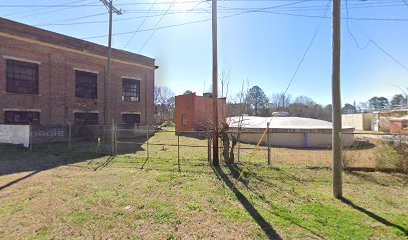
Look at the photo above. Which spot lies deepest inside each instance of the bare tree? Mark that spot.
(281, 101)
(225, 80)
(164, 99)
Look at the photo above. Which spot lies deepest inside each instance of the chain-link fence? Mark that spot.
(369, 151)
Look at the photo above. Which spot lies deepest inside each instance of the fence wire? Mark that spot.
(361, 150)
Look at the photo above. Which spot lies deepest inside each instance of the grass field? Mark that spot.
(52, 193)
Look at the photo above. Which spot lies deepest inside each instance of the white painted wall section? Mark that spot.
(15, 134)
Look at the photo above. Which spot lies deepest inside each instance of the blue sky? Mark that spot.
(264, 46)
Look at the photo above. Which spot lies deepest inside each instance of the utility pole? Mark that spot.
(216, 161)
(336, 101)
(107, 110)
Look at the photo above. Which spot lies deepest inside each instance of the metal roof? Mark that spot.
(279, 122)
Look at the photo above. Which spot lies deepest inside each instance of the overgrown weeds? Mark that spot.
(392, 156)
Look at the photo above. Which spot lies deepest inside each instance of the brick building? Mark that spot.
(398, 125)
(195, 112)
(49, 78)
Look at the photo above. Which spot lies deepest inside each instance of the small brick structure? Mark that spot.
(194, 113)
(56, 64)
(397, 125)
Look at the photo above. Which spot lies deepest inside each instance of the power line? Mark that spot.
(43, 8)
(350, 32)
(370, 40)
(72, 5)
(229, 9)
(308, 47)
(157, 15)
(252, 11)
(140, 25)
(158, 22)
(74, 23)
(192, 22)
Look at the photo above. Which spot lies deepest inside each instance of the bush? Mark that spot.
(402, 163)
(394, 156)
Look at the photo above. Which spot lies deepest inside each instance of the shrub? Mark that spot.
(393, 156)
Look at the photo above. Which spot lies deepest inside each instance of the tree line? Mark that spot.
(254, 102)
(398, 101)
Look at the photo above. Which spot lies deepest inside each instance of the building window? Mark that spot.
(86, 84)
(184, 119)
(86, 118)
(21, 77)
(131, 90)
(131, 118)
(405, 125)
(22, 117)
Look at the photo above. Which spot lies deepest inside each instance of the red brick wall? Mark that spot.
(204, 109)
(185, 105)
(397, 126)
(56, 98)
(198, 111)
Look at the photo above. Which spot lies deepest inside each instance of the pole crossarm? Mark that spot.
(108, 5)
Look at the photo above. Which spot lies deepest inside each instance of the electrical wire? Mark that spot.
(308, 47)
(370, 40)
(140, 25)
(192, 22)
(389, 55)
(350, 32)
(251, 11)
(158, 22)
(60, 7)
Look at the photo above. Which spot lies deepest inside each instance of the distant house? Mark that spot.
(195, 112)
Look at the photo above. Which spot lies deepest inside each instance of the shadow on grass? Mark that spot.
(18, 180)
(235, 171)
(265, 226)
(16, 159)
(144, 163)
(104, 164)
(374, 216)
(372, 179)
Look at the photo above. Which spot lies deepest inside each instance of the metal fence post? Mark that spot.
(30, 138)
(269, 144)
(239, 144)
(116, 138)
(209, 145)
(69, 135)
(112, 135)
(178, 150)
(147, 142)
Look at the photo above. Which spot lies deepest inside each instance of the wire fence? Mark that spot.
(312, 148)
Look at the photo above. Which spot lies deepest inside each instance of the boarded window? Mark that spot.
(86, 118)
(22, 117)
(131, 90)
(184, 119)
(21, 77)
(130, 118)
(86, 84)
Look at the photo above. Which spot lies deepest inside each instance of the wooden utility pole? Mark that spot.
(336, 102)
(216, 161)
(107, 110)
